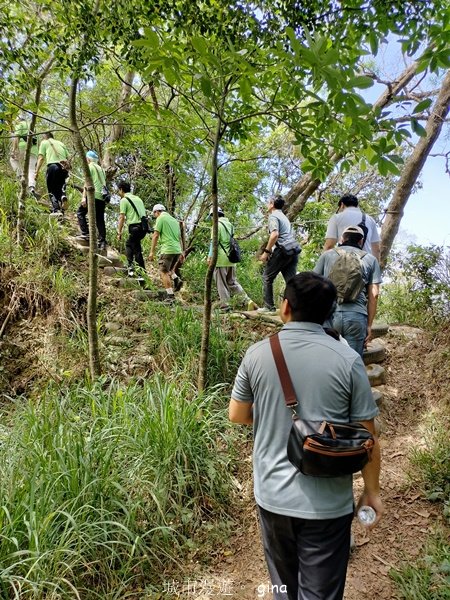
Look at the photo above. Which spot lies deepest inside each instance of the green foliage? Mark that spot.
(429, 577)
(100, 485)
(432, 464)
(420, 289)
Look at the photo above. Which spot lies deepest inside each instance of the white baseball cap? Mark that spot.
(159, 207)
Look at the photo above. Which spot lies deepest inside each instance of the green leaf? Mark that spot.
(423, 105)
(417, 128)
(361, 82)
(373, 41)
(205, 84)
(200, 45)
(245, 87)
(151, 38)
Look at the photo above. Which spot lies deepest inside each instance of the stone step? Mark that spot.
(379, 329)
(376, 375)
(377, 396)
(375, 352)
(111, 271)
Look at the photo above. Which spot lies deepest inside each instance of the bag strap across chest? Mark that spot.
(286, 382)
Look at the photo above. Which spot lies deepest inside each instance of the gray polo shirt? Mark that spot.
(371, 274)
(331, 383)
(352, 215)
(278, 221)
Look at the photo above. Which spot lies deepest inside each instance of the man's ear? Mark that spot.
(285, 311)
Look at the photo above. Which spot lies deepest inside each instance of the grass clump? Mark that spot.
(429, 578)
(102, 486)
(432, 463)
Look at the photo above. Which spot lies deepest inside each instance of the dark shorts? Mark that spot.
(167, 262)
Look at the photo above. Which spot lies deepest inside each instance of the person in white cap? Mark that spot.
(225, 271)
(167, 231)
(99, 180)
(357, 277)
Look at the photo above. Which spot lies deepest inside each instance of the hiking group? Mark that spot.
(327, 313)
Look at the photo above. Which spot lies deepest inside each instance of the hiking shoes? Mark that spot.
(177, 284)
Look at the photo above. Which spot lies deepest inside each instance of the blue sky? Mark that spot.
(427, 214)
(426, 217)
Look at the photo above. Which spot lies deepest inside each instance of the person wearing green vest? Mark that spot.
(56, 157)
(132, 210)
(225, 271)
(167, 230)
(99, 180)
(19, 144)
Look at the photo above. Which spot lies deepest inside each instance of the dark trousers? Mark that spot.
(133, 248)
(82, 214)
(56, 184)
(307, 559)
(277, 263)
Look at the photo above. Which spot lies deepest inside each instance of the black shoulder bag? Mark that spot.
(234, 255)
(321, 448)
(144, 219)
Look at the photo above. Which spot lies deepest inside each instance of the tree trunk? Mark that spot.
(118, 129)
(207, 304)
(91, 315)
(412, 168)
(305, 187)
(26, 163)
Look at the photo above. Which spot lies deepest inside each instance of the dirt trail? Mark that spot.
(240, 572)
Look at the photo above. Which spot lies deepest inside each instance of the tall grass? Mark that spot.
(101, 487)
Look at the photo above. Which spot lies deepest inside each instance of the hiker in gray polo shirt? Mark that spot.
(280, 254)
(349, 213)
(353, 320)
(305, 521)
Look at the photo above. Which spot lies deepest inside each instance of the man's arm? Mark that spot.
(40, 160)
(376, 250)
(371, 476)
(330, 243)
(273, 238)
(373, 291)
(155, 239)
(240, 412)
(120, 224)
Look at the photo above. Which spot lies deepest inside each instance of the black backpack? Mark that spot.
(235, 254)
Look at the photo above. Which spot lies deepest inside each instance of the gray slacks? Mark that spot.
(307, 559)
(227, 284)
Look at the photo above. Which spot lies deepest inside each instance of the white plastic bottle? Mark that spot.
(366, 515)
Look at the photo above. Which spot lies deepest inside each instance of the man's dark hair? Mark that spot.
(348, 200)
(352, 239)
(124, 186)
(311, 297)
(49, 134)
(278, 201)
